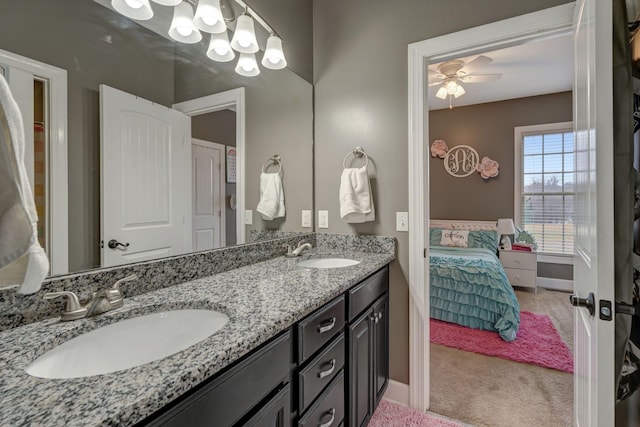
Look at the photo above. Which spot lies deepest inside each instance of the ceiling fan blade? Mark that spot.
(480, 61)
(480, 78)
(436, 83)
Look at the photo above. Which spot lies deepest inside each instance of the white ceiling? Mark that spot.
(534, 68)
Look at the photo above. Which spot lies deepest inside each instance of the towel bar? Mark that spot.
(357, 152)
(275, 159)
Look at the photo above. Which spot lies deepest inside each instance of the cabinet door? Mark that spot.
(360, 370)
(275, 413)
(381, 348)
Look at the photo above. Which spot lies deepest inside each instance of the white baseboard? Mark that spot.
(397, 392)
(555, 284)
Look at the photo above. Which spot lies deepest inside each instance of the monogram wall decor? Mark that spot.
(461, 161)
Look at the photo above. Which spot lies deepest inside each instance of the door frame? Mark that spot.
(222, 182)
(234, 98)
(501, 34)
(58, 191)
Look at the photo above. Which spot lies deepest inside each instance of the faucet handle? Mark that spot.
(73, 309)
(130, 278)
(114, 295)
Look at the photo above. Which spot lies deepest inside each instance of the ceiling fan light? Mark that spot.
(451, 87)
(168, 2)
(139, 10)
(208, 17)
(182, 28)
(247, 65)
(459, 91)
(219, 48)
(442, 93)
(273, 55)
(244, 37)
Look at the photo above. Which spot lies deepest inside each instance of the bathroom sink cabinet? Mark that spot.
(329, 369)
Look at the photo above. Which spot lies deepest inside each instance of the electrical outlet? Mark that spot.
(323, 219)
(248, 217)
(306, 219)
(402, 221)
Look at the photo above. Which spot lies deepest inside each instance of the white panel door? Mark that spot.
(208, 195)
(593, 269)
(145, 150)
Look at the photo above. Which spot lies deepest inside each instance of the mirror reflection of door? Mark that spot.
(208, 195)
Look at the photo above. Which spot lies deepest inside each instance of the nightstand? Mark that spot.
(521, 268)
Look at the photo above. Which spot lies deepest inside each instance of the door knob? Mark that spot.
(113, 243)
(589, 302)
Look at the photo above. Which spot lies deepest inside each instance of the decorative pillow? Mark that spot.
(456, 238)
(484, 239)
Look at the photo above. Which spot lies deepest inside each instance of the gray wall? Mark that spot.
(360, 75)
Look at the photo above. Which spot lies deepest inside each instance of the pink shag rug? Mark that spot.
(537, 342)
(389, 414)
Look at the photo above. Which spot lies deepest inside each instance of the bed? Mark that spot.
(468, 285)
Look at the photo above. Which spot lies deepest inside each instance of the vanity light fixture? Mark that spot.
(219, 48)
(247, 65)
(182, 27)
(244, 37)
(134, 9)
(168, 2)
(208, 17)
(273, 55)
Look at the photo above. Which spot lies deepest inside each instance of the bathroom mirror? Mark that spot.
(97, 46)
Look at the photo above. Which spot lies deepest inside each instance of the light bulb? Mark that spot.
(209, 20)
(184, 31)
(134, 4)
(273, 60)
(140, 10)
(247, 67)
(221, 51)
(244, 43)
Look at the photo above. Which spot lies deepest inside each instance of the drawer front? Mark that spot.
(364, 294)
(328, 411)
(320, 371)
(317, 329)
(525, 278)
(524, 260)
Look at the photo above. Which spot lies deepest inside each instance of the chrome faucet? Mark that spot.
(100, 302)
(302, 245)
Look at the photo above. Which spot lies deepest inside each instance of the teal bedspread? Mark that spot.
(469, 287)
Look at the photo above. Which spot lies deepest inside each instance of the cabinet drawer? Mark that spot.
(518, 277)
(328, 411)
(524, 260)
(321, 369)
(319, 328)
(364, 294)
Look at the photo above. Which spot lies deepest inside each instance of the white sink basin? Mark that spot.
(328, 262)
(128, 343)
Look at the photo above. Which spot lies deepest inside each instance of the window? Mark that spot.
(544, 193)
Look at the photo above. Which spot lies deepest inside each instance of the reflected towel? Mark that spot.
(22, 259)
(271, 203)
(356, 199)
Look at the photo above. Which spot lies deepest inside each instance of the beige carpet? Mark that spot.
(493, 392)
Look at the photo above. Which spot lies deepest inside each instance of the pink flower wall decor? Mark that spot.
(439, 148)
(488, 168)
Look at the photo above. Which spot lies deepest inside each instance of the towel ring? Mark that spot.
(272, 160)
(357, 152)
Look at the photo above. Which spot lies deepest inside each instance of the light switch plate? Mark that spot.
(306, 219)
(402, 221)
(248, 217)
(323, 219)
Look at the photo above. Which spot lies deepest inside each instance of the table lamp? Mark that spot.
(505, 228)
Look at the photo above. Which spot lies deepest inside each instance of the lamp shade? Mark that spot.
(459, 91)
(442, 92)
(208, 17)
(168, 2)
(182, 28)
(244, 37)
(273, 57)
(247, 65)
(219, 48)
(134, 9)
(506, 226)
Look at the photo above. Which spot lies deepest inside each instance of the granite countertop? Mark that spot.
(260, 300)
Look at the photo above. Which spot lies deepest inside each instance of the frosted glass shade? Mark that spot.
(135, 9)
(247, 65)
(208, 17)
(219, 48)
(459, 91)
(442, 93)
(273, 57)
(168, 2)
(182, 28)
(244, 37)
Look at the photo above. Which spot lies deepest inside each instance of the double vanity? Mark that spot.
(286, 341)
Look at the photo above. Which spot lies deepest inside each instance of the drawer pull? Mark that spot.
(324, 374)
(332, 412)
(326, 326)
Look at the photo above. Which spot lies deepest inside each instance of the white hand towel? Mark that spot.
(271, 203)
(22, 259)
(356, 199)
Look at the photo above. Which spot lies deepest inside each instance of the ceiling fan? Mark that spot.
(450, 75)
